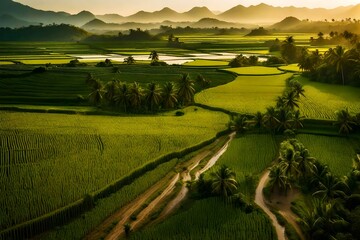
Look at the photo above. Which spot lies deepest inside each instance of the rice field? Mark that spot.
(246, 94)
(48, 161)
(323, 100)
(255, 71)
(336, 152)
(78, 228)
(290, 68)
(211, 219)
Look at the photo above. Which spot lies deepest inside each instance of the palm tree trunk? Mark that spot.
(342, 75)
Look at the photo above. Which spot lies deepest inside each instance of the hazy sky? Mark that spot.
(127, 7)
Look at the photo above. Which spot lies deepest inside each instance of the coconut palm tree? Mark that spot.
(169, 95)
(153, 95)
(297, 120)
(330, 187)
(288, 49)
(154, 56)
(238, 124)
(270, 119)
(305, 163)
(298, 89)
(280, 102)
(122, 96)
(129, 60)
(278, 179)
(111, 89)
(97, 93)
(258, 120)
(285, 119)
(224, 182)
(135, 95)
(291, 100)
(186, 89)
(338, 57)
(344, 121)
(288, 162)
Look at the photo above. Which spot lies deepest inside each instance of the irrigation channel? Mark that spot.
(137, 213)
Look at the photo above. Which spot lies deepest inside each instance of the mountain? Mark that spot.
(212, 22)
(7, 20)
(259, 14)
(111, 18)
(264, 13)
(157, 16)
(93, 24)
(29, 14)
(287, 23)
(198, 13)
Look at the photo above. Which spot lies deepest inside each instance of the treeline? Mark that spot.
(62, 32)
(168, 30)
(337, 65)
(132, 35)
(334, 209)
(126, 97)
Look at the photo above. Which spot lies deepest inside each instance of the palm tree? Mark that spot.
(186, 89)
(278, 179)
(239, 124)
(154, 56)
(330, 187)
(153, 95)
(305, 163)
(288, 162)
(224, 182)
(280, 102)
(135, 95)
(297, 120)
(338, 57)
(270, 119)
(288, 49)
(345, 121)
(169, 95)
(298, 89)
(121, 98)
(96, 95)
(111, 89)
(258, 120)
(129, 60)
(291, 100)
(285, 119)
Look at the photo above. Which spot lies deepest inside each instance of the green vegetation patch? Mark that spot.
(256, 71)
(336, 152)
(323, 100)
(211, 219)
(206, 63)
(290, 68)
(79, 154)
(247, 94)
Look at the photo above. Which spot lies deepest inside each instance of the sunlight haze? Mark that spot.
(129, 7)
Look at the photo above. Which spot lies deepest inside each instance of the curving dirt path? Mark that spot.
(123, 215)
(260, 201)
(187, 176)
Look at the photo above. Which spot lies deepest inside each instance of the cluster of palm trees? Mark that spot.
(223, 183)
(337, 65)
(241, 61)
(132, 97)
(297, 168)
(285, 115)
(346, 122)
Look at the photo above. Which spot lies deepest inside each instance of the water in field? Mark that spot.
(169, 59)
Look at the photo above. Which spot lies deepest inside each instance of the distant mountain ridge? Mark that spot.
(261, 14)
